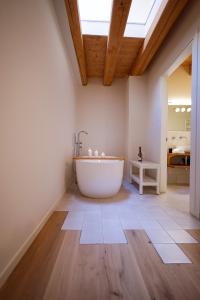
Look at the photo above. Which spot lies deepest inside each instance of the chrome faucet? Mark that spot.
(78, 143)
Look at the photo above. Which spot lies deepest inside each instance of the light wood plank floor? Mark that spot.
(57, 267)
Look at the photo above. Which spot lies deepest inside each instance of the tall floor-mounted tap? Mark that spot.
(78, 143)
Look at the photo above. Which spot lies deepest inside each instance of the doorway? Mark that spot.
(179, 91)
(193, 48)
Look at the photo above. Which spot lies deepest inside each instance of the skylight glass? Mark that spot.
(140, 10)
(95, 16)
(141, 16)
(95, 10)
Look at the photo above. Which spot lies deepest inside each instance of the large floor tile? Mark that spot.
(181, 237)
(127, 214)
(73, 221)
(171, 254)
(109, 215)
(128, 224)
(159, 236)
(175, 213)
(92, 216)
(72, 224)
(150, 224)
(114, 236)
(113, 233)
(168, 224)
(156, 212)
(111, 223)
(188, 222)
(91, 235)
(75, 214)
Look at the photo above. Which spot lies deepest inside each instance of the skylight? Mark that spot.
(140, 10)
(95, 10)
(141, 16)
(95, 16)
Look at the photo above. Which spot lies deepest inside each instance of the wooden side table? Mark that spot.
(141, 178)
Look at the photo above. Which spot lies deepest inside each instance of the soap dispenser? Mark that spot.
(96, 153)
(89, 152)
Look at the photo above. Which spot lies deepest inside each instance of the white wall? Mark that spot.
(37, 106)
(114, 116)
(136, 116)
(136, 97)
(101, 112)
(182, 34)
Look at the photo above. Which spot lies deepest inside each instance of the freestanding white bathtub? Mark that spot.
(99, 178)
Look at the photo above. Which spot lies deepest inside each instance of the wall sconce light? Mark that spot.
(183, 109)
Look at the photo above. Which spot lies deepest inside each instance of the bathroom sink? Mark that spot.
(181, 149)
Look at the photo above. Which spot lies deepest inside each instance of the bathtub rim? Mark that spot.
(99, 161)
(85, 157)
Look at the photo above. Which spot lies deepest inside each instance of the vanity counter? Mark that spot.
(178, 160)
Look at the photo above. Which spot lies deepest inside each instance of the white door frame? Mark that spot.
(195, 137)
(192, 48)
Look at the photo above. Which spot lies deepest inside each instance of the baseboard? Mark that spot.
(22, 250)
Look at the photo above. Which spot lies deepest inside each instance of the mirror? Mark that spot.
(179, 118)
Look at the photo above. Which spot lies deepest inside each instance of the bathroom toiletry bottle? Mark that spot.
(96, 153)
(140, 156)
(103, 154)
(89, 152)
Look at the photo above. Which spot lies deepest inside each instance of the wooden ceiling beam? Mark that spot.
(187, 65)
(187, 68)
(163, 22)
(95, 50)
(74, 23)
(120, 12)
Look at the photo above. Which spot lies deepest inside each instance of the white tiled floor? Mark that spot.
(113, 232)
(130, 224)
(188, 222)
(150, 224)
(168, 224)
(181, 237)
(92, 233)
(159, 236)
(74, 221)
(164, 217)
